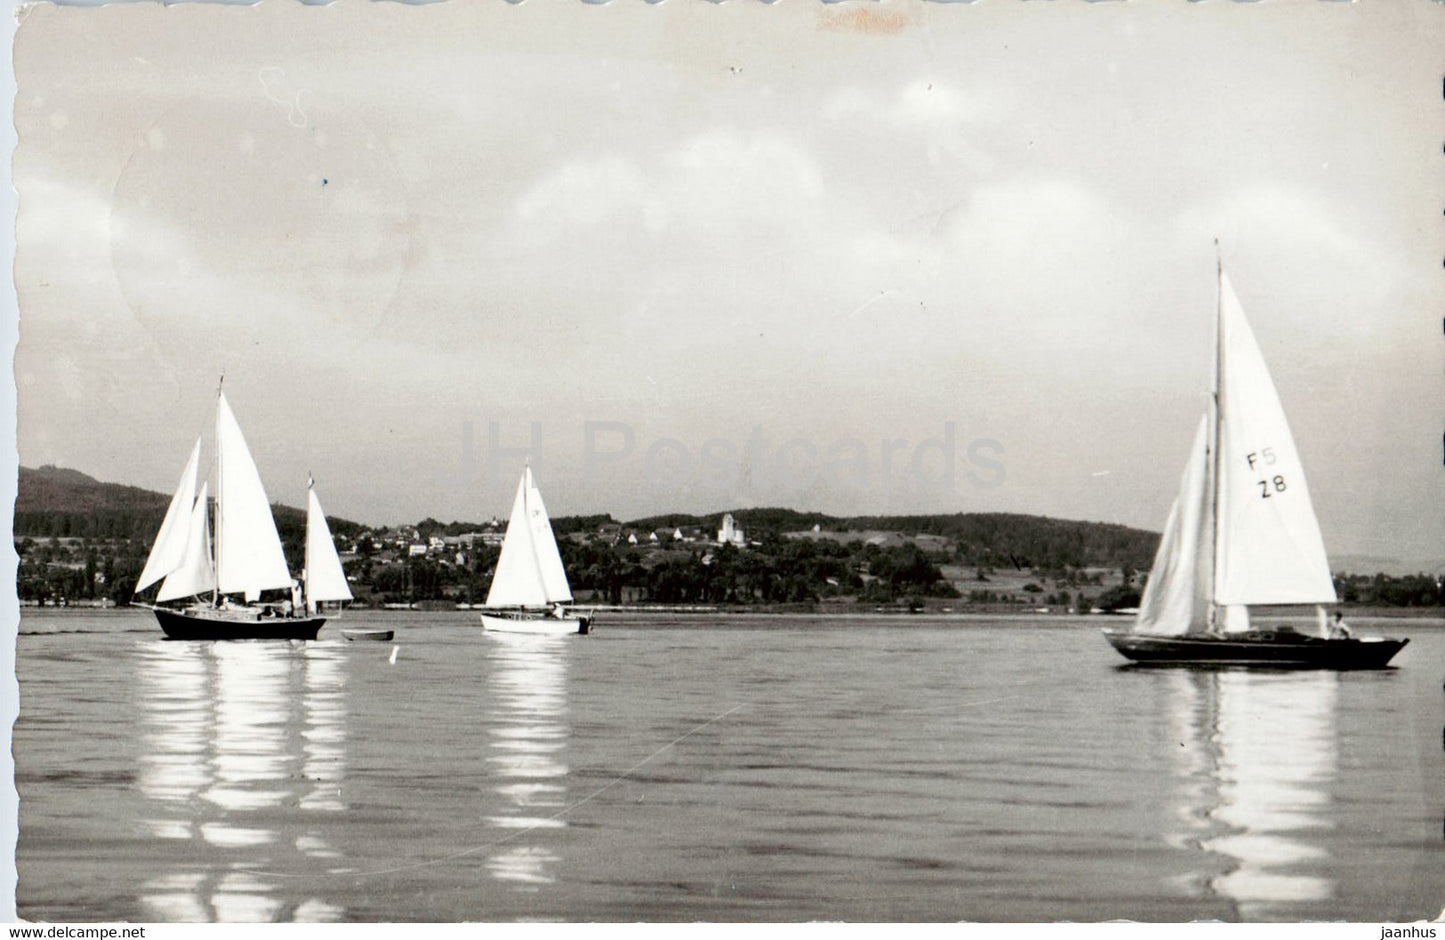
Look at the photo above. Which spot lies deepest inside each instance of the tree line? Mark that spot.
(83, 540)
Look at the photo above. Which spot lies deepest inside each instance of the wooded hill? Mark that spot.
(56, 502)
(988, 539)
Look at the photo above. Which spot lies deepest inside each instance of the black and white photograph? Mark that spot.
(728, 462)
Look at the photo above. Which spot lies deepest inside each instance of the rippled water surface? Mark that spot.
(726, 769)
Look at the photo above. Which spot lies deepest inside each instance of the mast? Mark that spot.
(531, 534)
(1215, 423)
(306, 550)
(220, 488)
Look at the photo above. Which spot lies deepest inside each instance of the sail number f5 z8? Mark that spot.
(1264, 457)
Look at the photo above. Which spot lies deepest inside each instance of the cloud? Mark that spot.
(1021, 257)
(1264, 214)
(931, 111)
(744, 239)
(1308, 258)
(64, 231)
(56, 214)
(919, 104)
(1051, 223)
(584, 194)
(719, 178)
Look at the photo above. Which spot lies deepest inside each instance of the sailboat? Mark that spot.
(206, 575)
(529, 588)
(1242, 532)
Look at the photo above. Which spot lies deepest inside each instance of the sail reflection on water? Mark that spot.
(175, 695)
(237, 736)
(323, 734)
(528, 742)
(1191, 705)
(1259, 759)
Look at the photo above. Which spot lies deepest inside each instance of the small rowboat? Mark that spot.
(357, 634)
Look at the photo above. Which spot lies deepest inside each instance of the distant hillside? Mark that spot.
(988, 539)
(560, 525)
(55, 501)
(567, 524)
(1020, 541)
(1363, 564)
(761, 520)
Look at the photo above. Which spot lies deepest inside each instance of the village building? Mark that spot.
(731, 533)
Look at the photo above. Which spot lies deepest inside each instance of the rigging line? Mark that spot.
(519, 832)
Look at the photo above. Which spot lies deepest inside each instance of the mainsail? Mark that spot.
(170, 547)
(194, 574)
(324, 577)
(1250, 536)
(1270, 550)
(549, 560)
(249, 558)
(529, 570)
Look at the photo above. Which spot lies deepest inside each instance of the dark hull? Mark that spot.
(381, 635)
(207, 624)
(1257, 648)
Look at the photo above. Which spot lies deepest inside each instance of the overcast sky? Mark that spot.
(716, 230)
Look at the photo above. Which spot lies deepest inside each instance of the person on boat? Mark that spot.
(295, 602)
(559, 612)
(1338, 630)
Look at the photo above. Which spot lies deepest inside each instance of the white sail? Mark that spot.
(325, 579)
(517, 581)
(1232, 618)
(249, 559)
(1269, 547)
(170, 547)
(549, 560)
(1176, 596)
(529, 570)
(194, 575)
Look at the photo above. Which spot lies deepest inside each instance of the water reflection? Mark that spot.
(236, 738)
(528, 743)
(1257, 760)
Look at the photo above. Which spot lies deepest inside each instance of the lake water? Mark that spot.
(718, 769)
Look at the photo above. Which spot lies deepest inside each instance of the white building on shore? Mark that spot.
(731, 532)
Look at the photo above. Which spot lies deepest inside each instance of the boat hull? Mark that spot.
(535, 624)
(210, 624)
(1257, 648)
(380, 635)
